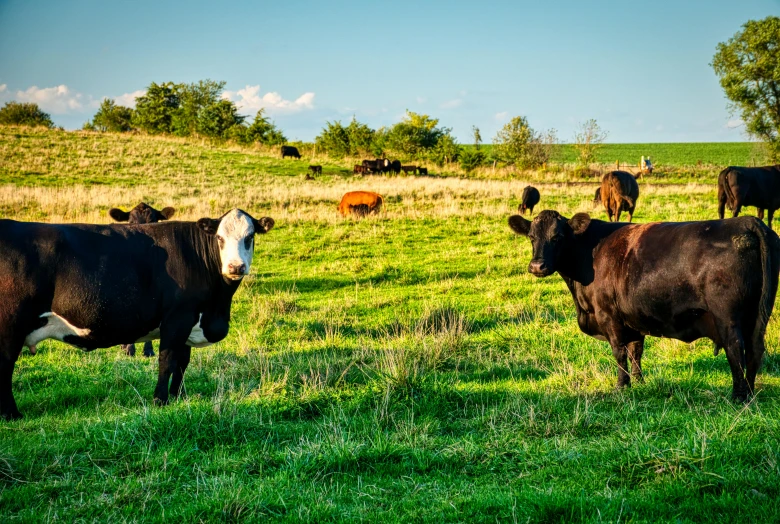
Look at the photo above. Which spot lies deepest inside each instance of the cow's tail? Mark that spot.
(725, 194)
(770, 266)
(621, 192)
(379, 203)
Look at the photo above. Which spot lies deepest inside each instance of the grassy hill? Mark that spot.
(400, 368)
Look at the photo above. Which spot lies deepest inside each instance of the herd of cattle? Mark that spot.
(96, 286)
(367, 167)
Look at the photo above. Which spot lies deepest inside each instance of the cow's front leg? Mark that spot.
(174, 332)
(182, 361)
(8, 408)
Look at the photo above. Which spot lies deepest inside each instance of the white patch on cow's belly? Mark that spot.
(56, 327)
(197, 338)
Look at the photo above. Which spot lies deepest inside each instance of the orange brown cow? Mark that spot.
(360, 202)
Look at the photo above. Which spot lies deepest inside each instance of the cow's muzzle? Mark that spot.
(236, 271)
(539, 268)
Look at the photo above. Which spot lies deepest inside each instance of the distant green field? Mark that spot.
(679, 154)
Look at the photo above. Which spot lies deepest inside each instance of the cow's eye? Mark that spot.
(221, 241)
(248, 242)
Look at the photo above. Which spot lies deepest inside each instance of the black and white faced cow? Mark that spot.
(97, 286)
(143, 213)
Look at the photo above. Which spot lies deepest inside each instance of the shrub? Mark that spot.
(155, 111)
(471, 159)
(24, 114)
(111, 117)
(216, 119)
(517, 143)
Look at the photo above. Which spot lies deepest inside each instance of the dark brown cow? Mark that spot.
(359, 170)
(143, 213)
(715, 279)
(749, 186)
(395, 167)
(290, 151)
(597, 197)
(530, 199)
(422, 171)
(315, 170)
(619, 192)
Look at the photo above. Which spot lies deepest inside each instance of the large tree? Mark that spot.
(517, 143)
(748, 66)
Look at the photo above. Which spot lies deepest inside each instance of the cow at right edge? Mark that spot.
(682, 280)
(749, 186)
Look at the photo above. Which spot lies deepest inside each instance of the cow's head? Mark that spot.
(549, 232)
(234, 233)
(141, 214)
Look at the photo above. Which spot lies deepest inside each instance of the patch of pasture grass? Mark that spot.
(404, 367)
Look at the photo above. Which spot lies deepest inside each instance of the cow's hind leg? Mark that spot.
(635, 350)
(735, 353)
(770, 215)
(737, 208)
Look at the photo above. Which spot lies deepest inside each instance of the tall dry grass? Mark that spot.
(294, 200)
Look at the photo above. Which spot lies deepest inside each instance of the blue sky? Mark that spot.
(641, 69)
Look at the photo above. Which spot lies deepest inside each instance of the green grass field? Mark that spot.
(400, 368)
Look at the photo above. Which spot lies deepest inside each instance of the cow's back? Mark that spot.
(660, 277)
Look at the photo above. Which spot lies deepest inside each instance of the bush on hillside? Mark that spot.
(24, 114)
(111, 117)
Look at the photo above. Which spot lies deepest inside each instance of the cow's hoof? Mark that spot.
(13, 415)
(740, 397)
(160, 402)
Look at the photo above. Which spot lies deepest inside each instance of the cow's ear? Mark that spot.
(209, 225)
(579, 223)
(168, 212)
(519, 225)
(264, 225)
(118, 215)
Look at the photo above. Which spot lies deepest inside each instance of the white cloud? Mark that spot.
(451, 104)
(737, 122)
(250, 98)
(502, 116)
(128, 99)
(58, 100)
(3, 87)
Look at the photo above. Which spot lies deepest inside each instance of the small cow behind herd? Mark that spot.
(98, 286)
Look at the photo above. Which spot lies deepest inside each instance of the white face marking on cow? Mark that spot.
(56, 327)
(235, 236)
